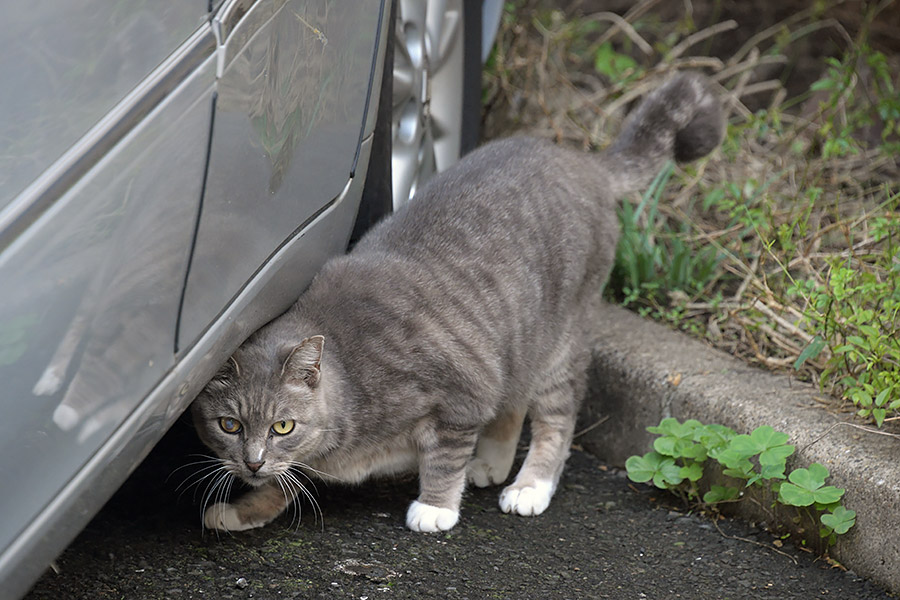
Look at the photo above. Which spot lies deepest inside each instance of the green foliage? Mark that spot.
(785, 226)
(855, 315)
(807, 486)
(680, 456)
(856, 109)
(652, 263)
(616, 66)
(838, 522)
(661, 469)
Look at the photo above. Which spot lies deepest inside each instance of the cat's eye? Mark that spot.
(230, 425)
(283, 427)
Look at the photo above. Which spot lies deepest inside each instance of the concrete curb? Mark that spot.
(643, 372)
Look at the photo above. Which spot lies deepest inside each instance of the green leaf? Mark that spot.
(640, 468)
(775, 471)
(776, 456)
(692, 472)
(861, 397)
(821, 85)
(840, 520)
(743, 446)
(714, 437)
(858, 341)
(720, 493)
(733, 460)
(815, 475)
(768, 437)
(869, 331)
(667, 426)
(828, 494)
(795, 495)
(812, 350)
(742, 470)
(666, 446)
(611, 63)
(807, 486)
(759, 440)
(661, 469)
(678, 439)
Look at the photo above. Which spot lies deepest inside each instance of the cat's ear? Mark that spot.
(230, 371)
(303, 363)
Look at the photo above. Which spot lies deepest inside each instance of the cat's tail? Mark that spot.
(682, 120)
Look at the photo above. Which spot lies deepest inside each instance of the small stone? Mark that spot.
(241, 583)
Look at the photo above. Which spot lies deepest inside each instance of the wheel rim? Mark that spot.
(426, 119)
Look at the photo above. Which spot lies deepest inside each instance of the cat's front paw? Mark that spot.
(225, 517)
(425, 517)
(527, 501)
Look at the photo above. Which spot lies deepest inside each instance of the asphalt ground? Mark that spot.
(602, 537)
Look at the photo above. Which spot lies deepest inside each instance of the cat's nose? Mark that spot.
(254, 466)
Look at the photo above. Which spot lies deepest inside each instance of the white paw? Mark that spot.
(527, 501)
(479, 473)
(491, 463)
(48, 384)
(224, 517)
(425, 517)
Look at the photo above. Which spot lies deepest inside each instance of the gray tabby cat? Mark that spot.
(425, 347)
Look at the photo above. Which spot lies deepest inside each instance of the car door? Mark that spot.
(105, 113)
(294, 83)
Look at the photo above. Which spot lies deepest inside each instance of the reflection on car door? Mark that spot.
(292, 93)
(91, 284)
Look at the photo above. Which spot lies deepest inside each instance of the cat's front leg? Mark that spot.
(256, 508)
(443, 455)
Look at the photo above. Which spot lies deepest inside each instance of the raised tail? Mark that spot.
(682, 120)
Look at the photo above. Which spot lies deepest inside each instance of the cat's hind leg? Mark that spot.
(496, 449)
(443, 455)
(553, 415)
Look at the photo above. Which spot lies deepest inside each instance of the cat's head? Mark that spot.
(262, 415)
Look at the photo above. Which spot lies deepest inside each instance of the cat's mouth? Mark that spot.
(256, 479)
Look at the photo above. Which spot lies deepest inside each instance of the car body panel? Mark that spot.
(91, 294)
(73, 507)
(64, 65)
(92, 283)
(289, 113)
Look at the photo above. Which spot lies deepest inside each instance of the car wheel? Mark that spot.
(436, 89)
(429, 108)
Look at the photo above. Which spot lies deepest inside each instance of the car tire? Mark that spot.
(429, 110)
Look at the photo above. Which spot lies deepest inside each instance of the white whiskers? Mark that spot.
(214, 478)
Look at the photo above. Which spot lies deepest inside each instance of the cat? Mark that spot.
(426, 346)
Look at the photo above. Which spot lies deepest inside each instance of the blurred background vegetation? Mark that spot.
(783, 247)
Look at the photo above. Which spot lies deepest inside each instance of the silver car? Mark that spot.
(172, 175)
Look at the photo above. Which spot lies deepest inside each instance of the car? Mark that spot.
(173, 174)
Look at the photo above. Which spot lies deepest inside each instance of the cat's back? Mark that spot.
(501, 244)
(499, 193)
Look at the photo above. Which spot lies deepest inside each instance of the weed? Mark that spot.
(683, 452)
(653, 264)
